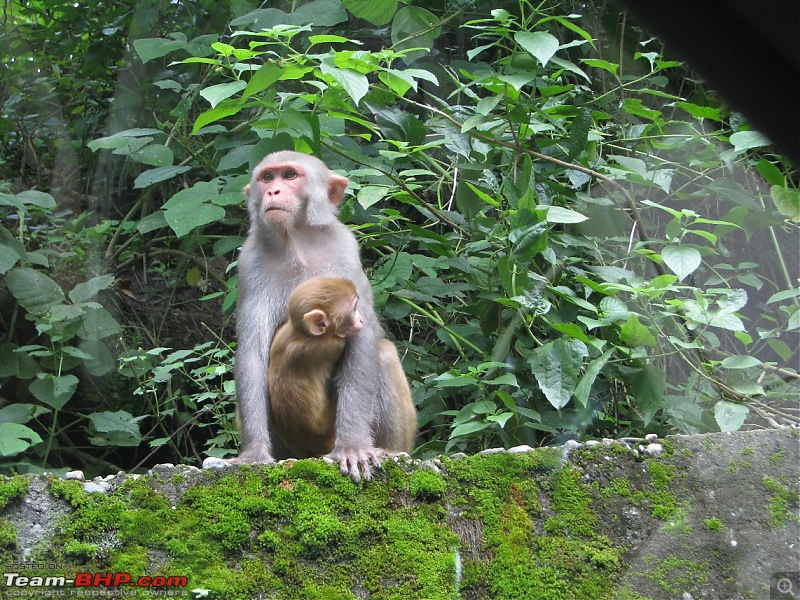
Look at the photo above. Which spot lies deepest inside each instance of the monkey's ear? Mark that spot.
(316, 322)
(247, 190)
(336, 187)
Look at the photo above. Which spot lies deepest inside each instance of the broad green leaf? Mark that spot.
(470, 427)
(329, 39)
(746, 140)
(735, 300)
(648, 386)
(559, 214)
(263, 19)
(539, 44)
(448, 380)
(83, 292)
(183, 218)
(579, 133)
(601, 64)
(154, 155)
(121, 138)
(98, 324)
(120, 420)
(101, 361)
(8, 258)
(266, 75)
(215, 114)
(517, 80)
(529, 241)
(414, 27)
(784, 295)
(787, 201)
(16, 438)
(771, 173)
(793, 321)
(118, 428)
(397, 81)
(556, 367)
(301, 123)
(11, 200)
(634, 165)
(12, 244)
(20, 412)
(483, 195)
(37, 198)
(217, 93)
(158, 175)
(504, 379)
(393, 269)
(593, 369)
(35, 291)
(742, 361)
(377, 12)
(53, 390)
(635, 334)
(354, 83)
(780, 348)
(682, 260)
(730, 416)
(569, 66)
(399, 125)
(202, 191)
(14, 363)
(695, 314)
(701, 112)
(370, 194)
(500, 419)
(634, 106)
(223, 48)
(321, 13)
(744, 384)
(572, 330)
(151, 48)
(151, 222)
(65, 313)
(237, 157)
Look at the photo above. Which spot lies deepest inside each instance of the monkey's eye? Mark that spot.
(267, 176)
(290, 174)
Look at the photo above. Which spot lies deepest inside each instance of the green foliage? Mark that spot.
(553, 220)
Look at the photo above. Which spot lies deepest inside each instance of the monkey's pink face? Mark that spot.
(280, 188)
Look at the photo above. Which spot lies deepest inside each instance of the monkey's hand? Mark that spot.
(253, 455)
(352, 459)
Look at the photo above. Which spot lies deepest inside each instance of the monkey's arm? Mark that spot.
(357, 386)
(255, 326)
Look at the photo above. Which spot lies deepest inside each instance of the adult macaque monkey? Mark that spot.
(323, 314)
(294, 236)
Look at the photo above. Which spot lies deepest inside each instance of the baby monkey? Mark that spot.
(323, 313)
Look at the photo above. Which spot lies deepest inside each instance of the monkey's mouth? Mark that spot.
(279, 207)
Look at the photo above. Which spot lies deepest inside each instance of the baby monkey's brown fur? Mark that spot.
(323, 313)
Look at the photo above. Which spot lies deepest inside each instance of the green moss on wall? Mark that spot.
(288, 529)
(10, 488)
(783, 503)
(567, 559)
